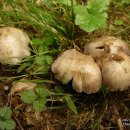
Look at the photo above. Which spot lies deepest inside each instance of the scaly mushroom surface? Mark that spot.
(13, 45)
(107, 44)
(116, 71)
(81, 69)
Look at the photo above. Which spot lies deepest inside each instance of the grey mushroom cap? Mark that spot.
(13, 45)
(81, 69)
(107, 44)
(116, 72)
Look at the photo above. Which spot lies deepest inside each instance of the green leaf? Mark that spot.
(28, 96)
(98, 5)
(59, 89)
(43, 60)
(39, 60)
(42, 48)
(48, 39)
(41, 91)
(5, 112)
(6, 123)
(42, 94)
(37, 97)
(37, 41)
(22, 67)
(39, 104)
(92, 16)
(70, 104)
(48, 60)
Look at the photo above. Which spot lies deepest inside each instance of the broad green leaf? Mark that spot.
(92, 16)
(43, 60)
(39, 60)
(48, 39)
(28, 96)
(41, 91)
(42, 48)
(37, 41)
(8, 124)
(5, 112)
(37, 97)
(98, 5)
(39, 104)
(70, 104)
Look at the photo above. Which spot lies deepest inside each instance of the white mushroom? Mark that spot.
(116, 71)
(107, 44)
(81, 69)
(21, 86)
(13, 45)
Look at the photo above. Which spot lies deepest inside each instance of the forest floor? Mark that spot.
(102, 110)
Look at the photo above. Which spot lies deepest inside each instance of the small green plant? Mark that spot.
(43, 46)
(67, 99)
(6, 122)
(37, 97)
(92, 16)
(70, 103)
(40, 62)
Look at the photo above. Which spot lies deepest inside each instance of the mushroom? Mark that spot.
(13, 45)
(81, 69)
(116, 71)
(103, 45)
(21, 86)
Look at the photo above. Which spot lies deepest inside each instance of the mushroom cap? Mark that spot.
(81, 69)
(116, 72)
(13, 45)
(21, 86)
(107, 44)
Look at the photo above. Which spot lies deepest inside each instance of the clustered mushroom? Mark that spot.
(81, 69)
(107, 44)
(13, 45)
(105, 61)
(110, 54)
(116, 71)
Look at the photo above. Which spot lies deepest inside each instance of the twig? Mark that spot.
(118, 121)
(18, 123)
